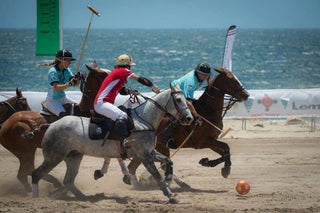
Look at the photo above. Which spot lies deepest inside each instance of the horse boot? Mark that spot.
(167, 139)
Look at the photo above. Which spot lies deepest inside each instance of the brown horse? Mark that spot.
(12, 105)
(14, 134)
(210, 106)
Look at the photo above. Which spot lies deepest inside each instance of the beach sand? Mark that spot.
(280, 161)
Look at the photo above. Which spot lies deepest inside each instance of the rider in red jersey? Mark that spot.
(111, 86)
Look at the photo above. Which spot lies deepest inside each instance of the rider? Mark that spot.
(111, 86)
(60, 78)
(188, 84)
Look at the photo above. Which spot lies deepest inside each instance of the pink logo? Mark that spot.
(267, 102)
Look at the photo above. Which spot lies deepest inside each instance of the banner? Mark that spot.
(48, 27)
(261, 103)
(227, 55)
(278, 103)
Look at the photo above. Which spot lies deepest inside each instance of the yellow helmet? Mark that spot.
(124, 60)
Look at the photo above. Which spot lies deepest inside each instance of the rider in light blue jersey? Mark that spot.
(188, 83)
(60, 78)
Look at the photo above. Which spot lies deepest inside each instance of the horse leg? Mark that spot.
(180, 182)
(125, 171)
(73, 161)
(166, 164)
(169, 170)
(100, 173)
(26, 167)
(132, 167)
(148, 162)
(224, 150)
(47, 165)
(104, 169)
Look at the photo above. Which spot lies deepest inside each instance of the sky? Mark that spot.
(155, 14)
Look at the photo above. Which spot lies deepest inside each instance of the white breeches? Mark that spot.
(109, 110)
(56, 106)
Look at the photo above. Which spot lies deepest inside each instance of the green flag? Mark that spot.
(48, 27)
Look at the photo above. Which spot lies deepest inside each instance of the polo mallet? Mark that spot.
(85, 39)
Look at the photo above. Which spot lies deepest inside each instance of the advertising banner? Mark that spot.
(261, 103)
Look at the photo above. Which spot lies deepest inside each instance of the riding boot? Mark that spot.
(122, 132)
(167, 139)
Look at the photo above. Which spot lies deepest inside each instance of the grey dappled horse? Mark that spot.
(67, 139)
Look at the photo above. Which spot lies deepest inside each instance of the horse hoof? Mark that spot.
(126, 179)
(204, 161)
(225, 171)
(59, 193)
(97, 174)
(173, 200)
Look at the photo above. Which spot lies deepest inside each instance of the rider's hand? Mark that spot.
(155, 89)
(199, 121)
(73, 81)
(78, 76)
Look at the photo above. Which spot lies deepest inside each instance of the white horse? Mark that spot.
(67, 139)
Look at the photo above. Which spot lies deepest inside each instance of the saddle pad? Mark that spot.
(98, 131)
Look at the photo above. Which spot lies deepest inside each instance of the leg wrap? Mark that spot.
(227, 159)
(169, 170)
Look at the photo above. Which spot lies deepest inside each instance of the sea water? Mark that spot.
(262, 59)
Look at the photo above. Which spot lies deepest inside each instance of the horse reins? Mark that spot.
(171, 117)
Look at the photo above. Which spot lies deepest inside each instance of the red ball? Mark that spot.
(243, 187)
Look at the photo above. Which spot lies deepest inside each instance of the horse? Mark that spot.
(22, 133)
(211, 107)
(12, 105)
(68, 139)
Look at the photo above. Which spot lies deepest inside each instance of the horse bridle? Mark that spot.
(12, 108)
(231, 99)
(164, 109)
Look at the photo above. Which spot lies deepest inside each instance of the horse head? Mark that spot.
(178, 106)
(90, 84)
(227, 82)
(12, 105)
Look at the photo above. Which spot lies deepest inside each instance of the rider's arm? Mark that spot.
(142, 80)
(60, 87)
(192, 109)
(145, 81)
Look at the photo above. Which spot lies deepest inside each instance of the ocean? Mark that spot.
(261, 58)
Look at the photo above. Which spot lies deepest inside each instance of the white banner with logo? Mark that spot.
(261, 103)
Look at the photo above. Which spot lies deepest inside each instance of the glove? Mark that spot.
(78, 76)
(199, 121)
(155, 89)
(73, 81)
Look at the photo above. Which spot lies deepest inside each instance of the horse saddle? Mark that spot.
(101, 127)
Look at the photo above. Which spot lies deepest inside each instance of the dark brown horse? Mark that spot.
(14, 130)
(211, 106)
(12, 105)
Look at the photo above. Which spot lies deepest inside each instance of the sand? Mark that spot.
(280, 161)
